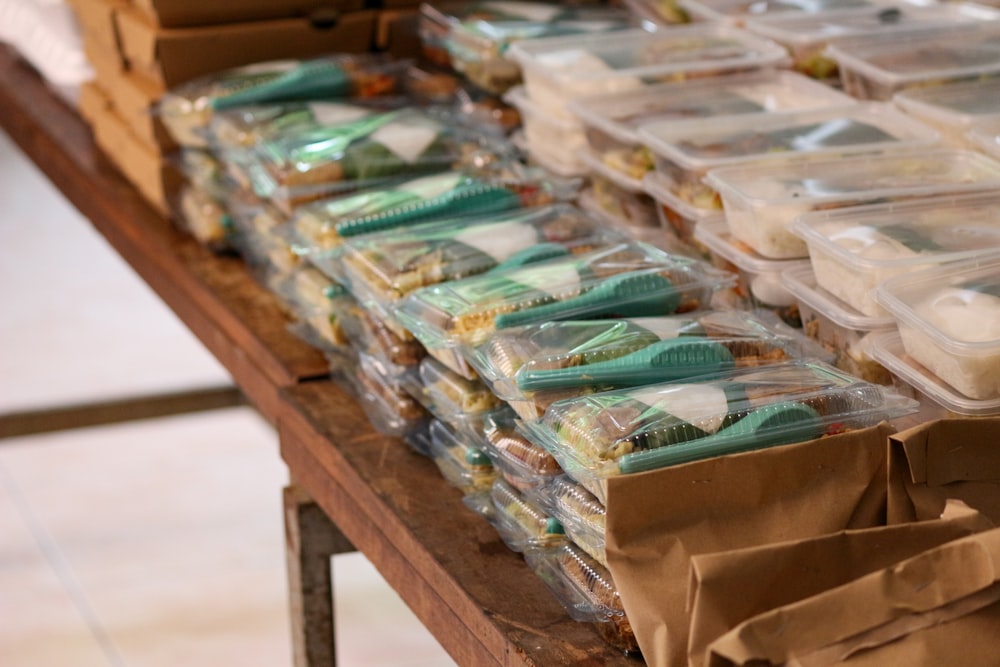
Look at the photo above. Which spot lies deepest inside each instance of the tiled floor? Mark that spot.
(150, 543)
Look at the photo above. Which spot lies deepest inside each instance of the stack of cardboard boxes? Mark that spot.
(142, 48)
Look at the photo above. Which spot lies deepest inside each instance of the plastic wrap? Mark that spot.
(388, 407)
(465, 466)
(521, 523)
(951, 109)
(523, 464)
(581, 514)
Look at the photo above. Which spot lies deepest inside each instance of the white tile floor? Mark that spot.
(150, 543)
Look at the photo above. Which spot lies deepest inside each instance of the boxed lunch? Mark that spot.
(952, 108)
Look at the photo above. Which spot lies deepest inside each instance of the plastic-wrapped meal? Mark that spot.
(533, 366)
(462, 464)
(952, 108)
(523, 464)
(740, 10)
(762, 201)
(187, 109)
(855, 249)
(521, 523)
(581, 514)
(629, 279)
(319, 302)
(204, 217)
(453, 394)
(390, 409)
(949, 321)
(633, 430)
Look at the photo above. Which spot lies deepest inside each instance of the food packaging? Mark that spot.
(952, 108)
(739, 11)
(677, 215)
(522, 464)
(553, 141)
(389, 408)
(463, 465)
(582, 516)
(204, 217)
(521, 523)
(984, 134)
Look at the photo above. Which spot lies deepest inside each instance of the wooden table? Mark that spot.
(478, 598)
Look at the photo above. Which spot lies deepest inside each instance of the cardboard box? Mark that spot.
(107, 62)
(397, 33)
(135, 99)
(170, 57)
(97, 21)
(185, 13)
(92, 102)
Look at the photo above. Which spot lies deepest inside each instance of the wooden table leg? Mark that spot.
(311, 539)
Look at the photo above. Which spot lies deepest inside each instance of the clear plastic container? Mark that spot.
(841, 330)
(877, 69)
(677, 215)
(853, 250)
(620, 197)
(739, 11)
(465, 466)
(657, 12)
(521, 523)
(634, 430)
(630, 279)
(949, 321)
(760, 285)
(581, 514)
(611, 122)
(553, 139)
(534, 366)
(984, 134)
(523, 464)
(389, 408)
(806, 36)
(761, 202)
(684, 151)
(375, 336)
(654, 236)
(952, 108)
(453, 394)
(586, 590)
(204, 217)
(558, 69)
(382, 268)
(937, 399)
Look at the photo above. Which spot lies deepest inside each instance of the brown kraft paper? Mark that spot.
(946, 458)
(941, 607)
(731, 587)
(657, 520)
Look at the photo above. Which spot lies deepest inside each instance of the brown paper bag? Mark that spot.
(947, 458)
(731, 587)
(657, 520)
(941, 607)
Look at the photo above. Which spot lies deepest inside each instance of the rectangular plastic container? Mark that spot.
(949, 321)
(684, 151)
(453, 394)
(553, 141)
(739, 11)
(462, 464)
(952, 108)
(806, 36)
(678, 215)
(655, 236)
(380, 339)
(523, 464)
(852, 250)
(634, 430)
(984, 134)
(760, 286)
(619, 196)
(581, 514)
(521, 523)
(558, 69)
(761, 202)
(842, 331)
(388, 407)
(611, 122)
(876, 70)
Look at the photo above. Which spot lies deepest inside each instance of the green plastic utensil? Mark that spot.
(536, 253)
(314, 80)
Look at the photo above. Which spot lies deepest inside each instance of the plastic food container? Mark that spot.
(256, 238)
(657, 12)
(553, 141)
(760, 285)
(586, 590)
(937, 399)
(634, 430)
(520, 522)
(611, 122)
(558, 69)
(581, 514)
(204, 217)
(523, 464)
(949, 321)
(877, 69)
(453, 394)
(620, 196)
(952, 108)
(807, 35)
(761, 202)
(841, 330)
(465, 466)
(534, 366)
(629, 279)
(739, 11)
(985, 135)
(684, 151)
(389, 408)
(854, 249)
(654, 236)
(376, 336)
(382, 268)
(677, 215)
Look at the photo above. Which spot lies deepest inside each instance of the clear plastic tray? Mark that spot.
(738, 11)
(581, 514)
(853, 250)
(521, 523)
(611, 122)
(630, 279)
(556, 138)
(937, 399)
(377, 337)
(534, 366)
(204, 217)
(634, 430)
(984, 134)
(452, 393)
(806, 36)
(876, 70)
(465, 466)
(841, 330)
(949, 320)
(678, 215)
(684, 151)
(523, 464)
(620, 197)
(382, 268)
(389, 408)
(655, 236)
(761, 202)
(558, 69)
(760, 285)
(952, 108)
(657, 12)
(187, 110)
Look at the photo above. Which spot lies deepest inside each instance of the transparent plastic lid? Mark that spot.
(519, 460)
(464, 465)
(658, 186)
(985, 134)
(583, 586)
(575, 61)
(387, 266)
(957, 104)
(739, 10)
(857, 180)
(801, 282)
(715, 235)
(451, 392)
(620, 115)
(957, 305)
(521, 523)
(718, 142)
(621, 353)
(581, 514)
(631, 279)
(634, 430)
(390, 409)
